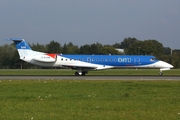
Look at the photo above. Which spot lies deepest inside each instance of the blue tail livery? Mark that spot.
(84, 63)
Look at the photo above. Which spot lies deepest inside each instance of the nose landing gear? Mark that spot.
(160, 73)
(162, 69)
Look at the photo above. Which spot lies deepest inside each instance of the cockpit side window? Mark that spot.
(156, 59)
(153, 59)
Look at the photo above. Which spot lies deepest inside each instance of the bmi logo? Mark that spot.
(23, 47)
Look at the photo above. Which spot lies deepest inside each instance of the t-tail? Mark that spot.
(24, 50)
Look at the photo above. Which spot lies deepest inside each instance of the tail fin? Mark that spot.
(20, 43)
(23, 48)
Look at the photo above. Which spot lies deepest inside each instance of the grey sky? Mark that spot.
(89, 21)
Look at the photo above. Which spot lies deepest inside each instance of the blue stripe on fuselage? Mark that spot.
(114, 60)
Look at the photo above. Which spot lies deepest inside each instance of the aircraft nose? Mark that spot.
(171, 66)
(163, 64)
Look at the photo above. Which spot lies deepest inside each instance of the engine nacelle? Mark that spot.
(45, 58)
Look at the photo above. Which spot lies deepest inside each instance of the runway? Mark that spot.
(90, 78)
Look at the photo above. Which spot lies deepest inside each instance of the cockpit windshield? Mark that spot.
(153, 59)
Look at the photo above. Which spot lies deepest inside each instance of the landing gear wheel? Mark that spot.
(84, 73)
(160, 73)
(76, 74)
(80, 74)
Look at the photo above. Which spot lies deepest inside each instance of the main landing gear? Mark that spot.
(79, 73)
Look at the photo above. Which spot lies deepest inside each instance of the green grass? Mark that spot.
(89, 100)
(100, 72)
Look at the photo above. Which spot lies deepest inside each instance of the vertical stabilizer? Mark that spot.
(23, 48)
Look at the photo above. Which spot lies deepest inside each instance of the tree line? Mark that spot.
(9, 58)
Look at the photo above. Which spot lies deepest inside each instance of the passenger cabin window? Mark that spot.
(129, 60)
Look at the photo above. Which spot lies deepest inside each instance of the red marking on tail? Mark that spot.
(52, 55)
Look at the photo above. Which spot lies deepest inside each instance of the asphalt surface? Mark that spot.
(90, 78)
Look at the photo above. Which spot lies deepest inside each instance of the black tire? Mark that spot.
(160, 74)
(76, 74)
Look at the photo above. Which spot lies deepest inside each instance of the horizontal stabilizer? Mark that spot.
(15, 39)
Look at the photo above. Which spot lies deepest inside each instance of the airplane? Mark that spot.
(84, 63)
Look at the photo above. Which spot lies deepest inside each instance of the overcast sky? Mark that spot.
(89, 21)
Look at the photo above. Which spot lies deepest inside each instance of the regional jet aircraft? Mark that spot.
(84, 63)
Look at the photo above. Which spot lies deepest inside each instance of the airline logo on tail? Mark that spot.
(20, 43)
